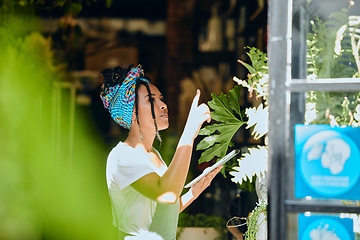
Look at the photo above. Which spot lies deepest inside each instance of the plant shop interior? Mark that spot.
(281, 79)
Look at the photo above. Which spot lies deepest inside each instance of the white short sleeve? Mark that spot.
(125, 165)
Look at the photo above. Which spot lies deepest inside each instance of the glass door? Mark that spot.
(314, 111)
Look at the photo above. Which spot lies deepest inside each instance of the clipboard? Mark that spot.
(207, 170)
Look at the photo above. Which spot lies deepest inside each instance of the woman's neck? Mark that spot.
(135, 140)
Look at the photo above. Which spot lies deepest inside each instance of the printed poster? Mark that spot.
(325, 227)
(327, 162)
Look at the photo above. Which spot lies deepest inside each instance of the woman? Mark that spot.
(144, 192)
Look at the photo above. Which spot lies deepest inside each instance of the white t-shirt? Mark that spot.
(132, 211)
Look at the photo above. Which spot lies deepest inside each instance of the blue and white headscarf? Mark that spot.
(120, 99)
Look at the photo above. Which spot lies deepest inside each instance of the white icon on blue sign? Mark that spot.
(322, 233)
(327, 161)
(325, 228)
(332, 153)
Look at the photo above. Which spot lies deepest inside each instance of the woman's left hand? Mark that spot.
(200, 186)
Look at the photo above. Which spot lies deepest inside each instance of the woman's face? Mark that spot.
(144, 109)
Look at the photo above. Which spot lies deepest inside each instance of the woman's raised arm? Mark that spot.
(168, 188)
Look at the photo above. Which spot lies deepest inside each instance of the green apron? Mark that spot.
(165, 220)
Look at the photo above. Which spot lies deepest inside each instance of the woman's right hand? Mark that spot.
(171, 184)
(197, 116)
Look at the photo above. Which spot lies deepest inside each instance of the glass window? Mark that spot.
(325, 151)
(316, 225)
(325, 39)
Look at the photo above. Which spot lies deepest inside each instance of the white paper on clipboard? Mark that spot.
(207, 170)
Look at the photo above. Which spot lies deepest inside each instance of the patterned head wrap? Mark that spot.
(120, 99)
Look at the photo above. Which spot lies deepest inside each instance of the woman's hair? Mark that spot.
(116, 76)
(113, 76)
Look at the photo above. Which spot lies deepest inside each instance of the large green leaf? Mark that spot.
(222, 109)
(227, 131)
(225, 106)
(234, 96)
(218, 150)
(208, 129)
(226, 111)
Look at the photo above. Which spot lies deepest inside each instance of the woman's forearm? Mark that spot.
(174, 178)
(167, 189)
(197, 189)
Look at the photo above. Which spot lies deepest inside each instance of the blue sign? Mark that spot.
(325, 227)
(327, 162)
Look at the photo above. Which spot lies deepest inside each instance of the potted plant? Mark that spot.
(200, 227)
(331, 108)
(229, 119)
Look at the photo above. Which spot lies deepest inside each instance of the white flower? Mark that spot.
(144, 235)
(264, 79)
(339, 38)
(254, 162)
(310, 112)
(355, 124)
(357, 113)
(311, 76)
(354, 20)
(258, 117)
(241, 82)
(358, 108)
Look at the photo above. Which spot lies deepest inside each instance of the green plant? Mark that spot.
(230, 117)
(330, 51)
(72, 7)
(202, 221)
(254, 162)
(27, 77)
(252, 223)
(333, 53)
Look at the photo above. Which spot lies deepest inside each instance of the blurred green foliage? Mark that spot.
(45, 194)
(69, 6)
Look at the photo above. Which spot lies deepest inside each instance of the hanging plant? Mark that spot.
(253, 220)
